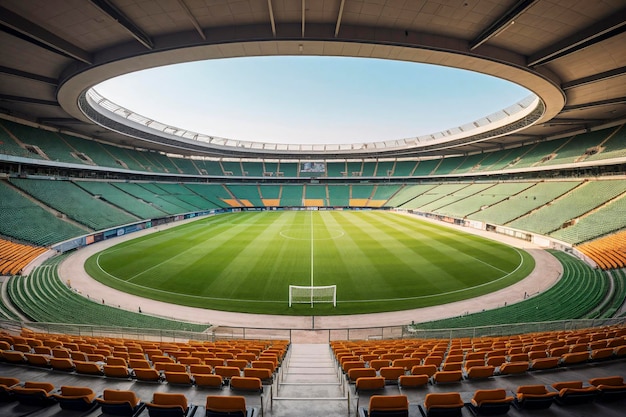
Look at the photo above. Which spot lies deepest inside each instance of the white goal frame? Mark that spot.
(311, 294)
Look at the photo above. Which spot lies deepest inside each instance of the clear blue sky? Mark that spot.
(311, 99)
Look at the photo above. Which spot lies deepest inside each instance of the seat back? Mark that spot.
(424, 370)
(147, 374)
(477, 372)
(177, 377)
(534, 397)
(356, 373)
(572, 392)
(168, 400)
(447, 376)
(115, 371)
(544, 363)
(370, 383)
(62, 364)
(113, 395)
(513, 368)
(448, 400)
(379, 363)
(75, 398)
(227, 371)
(391, 373)
(489, 395)
(263, 374)
(200, 369)
(617, 381)
(209, 381)
(532, 389)
(246, 383)
(232, 405)
(412, 381)
(388, 406)
(35, 393)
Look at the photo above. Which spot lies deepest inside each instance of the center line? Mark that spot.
(312, 259)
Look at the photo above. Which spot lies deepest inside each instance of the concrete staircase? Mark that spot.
(310, 384)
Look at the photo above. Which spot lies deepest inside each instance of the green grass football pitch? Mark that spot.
(245, 262)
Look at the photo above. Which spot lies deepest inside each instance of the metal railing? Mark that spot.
(411, 331)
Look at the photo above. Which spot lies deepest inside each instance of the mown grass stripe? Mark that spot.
(245, 262)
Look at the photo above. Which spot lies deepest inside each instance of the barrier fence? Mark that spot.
(411, 331)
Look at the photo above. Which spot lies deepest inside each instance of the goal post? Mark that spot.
(300, 294)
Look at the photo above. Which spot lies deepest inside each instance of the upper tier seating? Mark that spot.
(119, 198)
(67, 198)
(580, 200)
(44, 228)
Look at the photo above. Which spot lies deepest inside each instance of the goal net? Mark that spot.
(312, 294)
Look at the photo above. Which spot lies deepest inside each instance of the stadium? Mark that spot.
(151, 270)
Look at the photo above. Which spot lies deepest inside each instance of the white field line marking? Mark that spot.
(312, 239)
(276, 301)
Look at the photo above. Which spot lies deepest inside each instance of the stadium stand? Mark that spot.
(580, 200)
(76, 203)
(613, 146)
(336, 169)
(248, 195)
(575, 295)
(576, 148)
(606, 219)
(507, 158)
(447, 165)
(433, 194)
(252, 169)
(360, 195)
(15, 256)
(315, 195)
(8, 145)
(141, 192)
(423, 168)
(385, 168)
(216, 194)
(288, 169)
(46, 143)
(185, 166)
(44, 228)
(470, 164)
(381, 194)
(292, 195)
(43, 297)
(540, 153)
(270, 169)
(117, 197)
(339, 195)
(608, 252)
(231, 169)
(369, 168)
(408, 193)
(209, 167)
(457, 198)
(179, 195)
(523, 200)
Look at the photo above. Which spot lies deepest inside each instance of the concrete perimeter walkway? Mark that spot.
(547, 272)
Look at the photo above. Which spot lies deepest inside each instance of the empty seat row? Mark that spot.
(498, 401)
(118, 402)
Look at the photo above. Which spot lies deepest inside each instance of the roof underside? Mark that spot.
(571, 54)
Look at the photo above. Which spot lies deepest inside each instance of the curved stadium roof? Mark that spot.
(570, 56)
